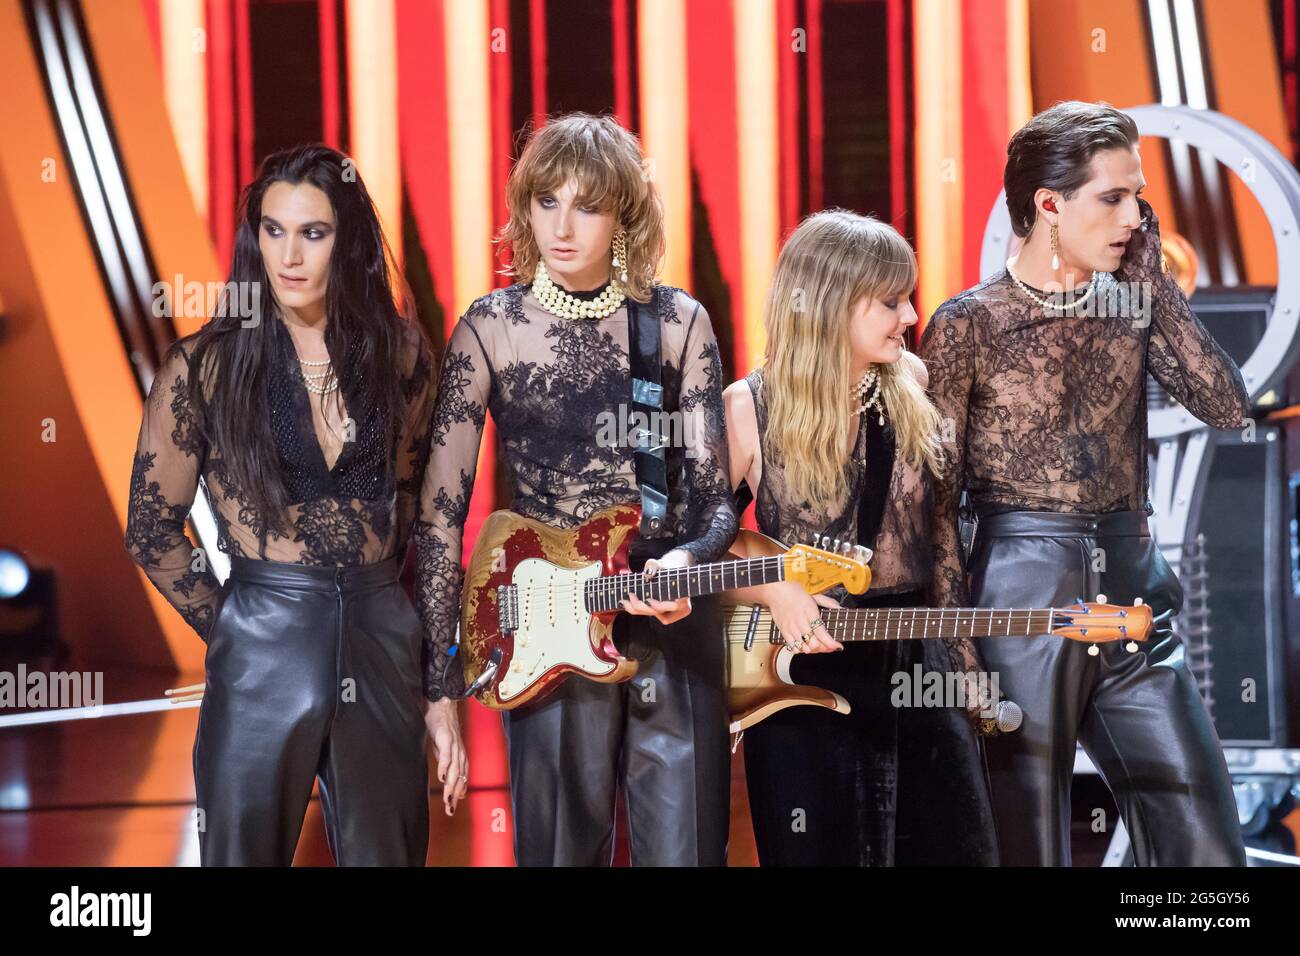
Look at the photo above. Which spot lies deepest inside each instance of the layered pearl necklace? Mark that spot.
(1061, 307)
(869, 383)
(568, 306)
(319, 383)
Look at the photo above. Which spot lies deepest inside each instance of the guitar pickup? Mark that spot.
(752, 630)
(507, 609)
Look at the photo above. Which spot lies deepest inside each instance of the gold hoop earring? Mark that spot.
(619, 262)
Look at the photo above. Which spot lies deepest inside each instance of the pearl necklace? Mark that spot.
(559, 302)
(319, 383)
(870, 381)
(1092, 287)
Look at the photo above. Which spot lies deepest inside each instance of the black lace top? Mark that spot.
(1048, 412)
(359, 510)
(886, 505)
(555, 387)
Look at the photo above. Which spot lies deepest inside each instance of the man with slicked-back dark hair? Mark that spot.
(1040, 374)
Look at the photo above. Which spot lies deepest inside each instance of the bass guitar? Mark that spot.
(758, 662)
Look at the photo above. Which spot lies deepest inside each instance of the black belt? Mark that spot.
(309, 577)
(1054, 524)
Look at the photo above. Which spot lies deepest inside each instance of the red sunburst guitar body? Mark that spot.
(540, 602)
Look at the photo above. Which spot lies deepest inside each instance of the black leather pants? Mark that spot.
(312, 672)
(1138, 716)
(660, 737)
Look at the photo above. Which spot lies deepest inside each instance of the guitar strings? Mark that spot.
(608, 583)
(891, 626)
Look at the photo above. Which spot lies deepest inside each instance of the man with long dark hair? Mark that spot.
(1040, 373)
(307, 419)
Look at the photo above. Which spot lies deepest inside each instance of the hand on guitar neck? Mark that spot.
(667, 612)
(797, 615)
(795, 612)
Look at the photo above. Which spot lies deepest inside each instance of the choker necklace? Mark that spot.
(559, 302)
(870, 382)
(1092, 287)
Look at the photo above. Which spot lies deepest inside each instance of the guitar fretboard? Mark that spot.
(906, 623)
(668, 584)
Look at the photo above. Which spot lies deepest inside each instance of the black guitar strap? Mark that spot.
(648, 399)
(880, 449)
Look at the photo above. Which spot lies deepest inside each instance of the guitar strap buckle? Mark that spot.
(649, 456)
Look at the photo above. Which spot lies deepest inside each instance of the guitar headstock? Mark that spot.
(820, 569)
(1099, 623)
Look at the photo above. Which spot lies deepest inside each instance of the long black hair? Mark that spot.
(233, 351)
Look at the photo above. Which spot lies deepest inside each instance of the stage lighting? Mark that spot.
(15, 575)
(29, 622)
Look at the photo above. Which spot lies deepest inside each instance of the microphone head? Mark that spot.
(1009, 716)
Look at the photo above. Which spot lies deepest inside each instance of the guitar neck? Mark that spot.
(905, 623)
(669, 584)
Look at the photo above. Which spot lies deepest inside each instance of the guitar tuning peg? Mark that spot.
(836, 545)
(1131, 647)
(1093, 650)
(1101, 599)
(861, 554)
(847, 549)
(817, 540)
(1137, 602)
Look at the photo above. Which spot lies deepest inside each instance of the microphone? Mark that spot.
(1009, 716)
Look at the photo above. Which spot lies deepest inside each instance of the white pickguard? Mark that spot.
(554, 626)
(784, 658)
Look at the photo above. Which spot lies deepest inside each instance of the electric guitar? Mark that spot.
(758, 662)
(540, 602)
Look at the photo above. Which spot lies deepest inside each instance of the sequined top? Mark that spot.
(1047, 411)
(559, 392)
(359, 511)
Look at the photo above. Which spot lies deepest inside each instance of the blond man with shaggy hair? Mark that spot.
(549, 358)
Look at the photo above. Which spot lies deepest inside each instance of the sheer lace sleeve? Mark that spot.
(456, 430)
(711, 521)
(164, 478)
(948, 350)
(413, 441)
(1184, 358)
(1181, 355)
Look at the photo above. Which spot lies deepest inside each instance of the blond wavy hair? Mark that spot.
(612, 176)
(833, 259)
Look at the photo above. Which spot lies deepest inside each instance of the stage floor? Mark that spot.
(119, 791)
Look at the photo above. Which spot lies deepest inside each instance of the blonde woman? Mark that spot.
(549, 357)
(835, 436)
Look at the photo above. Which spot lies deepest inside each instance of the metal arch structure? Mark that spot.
(1182, 459)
